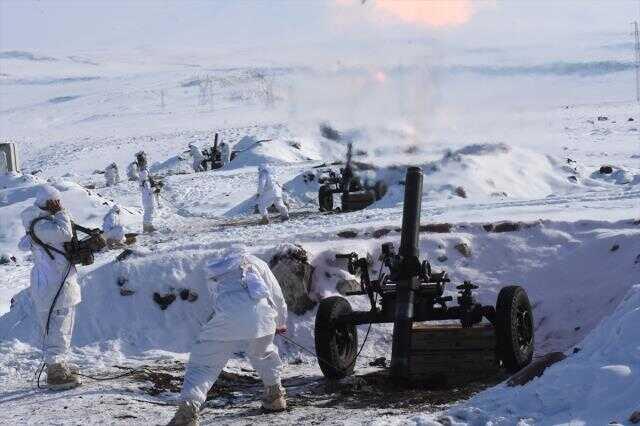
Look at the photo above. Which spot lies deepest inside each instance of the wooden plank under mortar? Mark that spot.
(449, 354)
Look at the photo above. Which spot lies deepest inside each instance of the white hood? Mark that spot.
(224, 264)
(31, 213)
(46, 193)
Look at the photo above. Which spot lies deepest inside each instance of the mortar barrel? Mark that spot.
(409, 253)
(409, 240)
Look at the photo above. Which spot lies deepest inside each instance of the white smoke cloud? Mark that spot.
(422, 13)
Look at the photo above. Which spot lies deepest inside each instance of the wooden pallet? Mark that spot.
(451, 355)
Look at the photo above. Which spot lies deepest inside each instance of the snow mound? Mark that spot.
(120, 306)
(304, 187)
(134, 320)
(600, 384)
(251, 151)
(495, 170)
(477, 171)
(481, 171)
(175, 165)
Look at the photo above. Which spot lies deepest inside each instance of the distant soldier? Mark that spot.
(112, 175)
(148, 202)
(225, 153)
(198, 158)
(269, 194)
(113, 228)
(132, 171)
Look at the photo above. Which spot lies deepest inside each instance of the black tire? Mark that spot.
(325, 199)
(358, 200)
(336, 345)
(514, 328)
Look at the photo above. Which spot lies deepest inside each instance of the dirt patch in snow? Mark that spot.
(169, 378)
(377, 390)
(374, 390)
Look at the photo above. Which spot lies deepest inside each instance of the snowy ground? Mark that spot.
(535, 159)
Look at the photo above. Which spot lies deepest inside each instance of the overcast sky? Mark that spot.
(325, 32)
(81, 24)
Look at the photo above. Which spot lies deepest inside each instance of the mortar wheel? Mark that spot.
(514, 328)
(325, 199)
(336, 344)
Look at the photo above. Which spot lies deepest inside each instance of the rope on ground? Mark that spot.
(162, 404)
(118, 376)
(95, 378)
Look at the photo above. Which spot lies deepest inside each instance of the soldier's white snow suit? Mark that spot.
(198, 158)
(111, 175)
(132, 171)
(49, 273)
(148, 200)
(248, 305)
(4, 164)
(269, 193)
(225, 153)
(112, 226)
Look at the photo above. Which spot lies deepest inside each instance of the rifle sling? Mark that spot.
(47, 248)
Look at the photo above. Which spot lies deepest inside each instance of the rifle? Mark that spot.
(76, 251)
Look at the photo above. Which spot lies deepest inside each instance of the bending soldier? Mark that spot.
(248, 310)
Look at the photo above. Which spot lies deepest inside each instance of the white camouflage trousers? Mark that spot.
(197, 165)
(208, 358)
(267, 202)
(58, 340)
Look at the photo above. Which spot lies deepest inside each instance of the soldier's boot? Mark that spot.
(188, 414)
(265, 220)
(61, 376)
(274, 398)
(148, 227)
